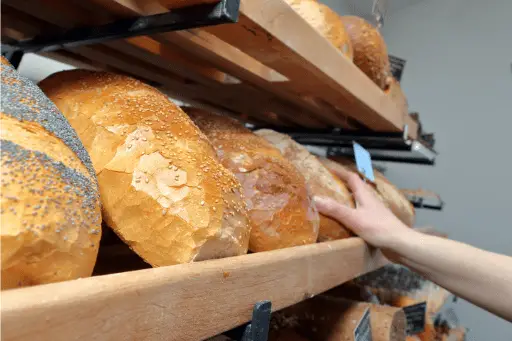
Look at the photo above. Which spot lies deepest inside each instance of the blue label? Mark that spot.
(363, 162)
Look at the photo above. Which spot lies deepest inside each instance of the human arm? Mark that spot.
(481, 277)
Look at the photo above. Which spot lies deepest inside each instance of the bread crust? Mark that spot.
(50, 208)
(370, 51)
(280, 208)
(162, 188)
(320, 181)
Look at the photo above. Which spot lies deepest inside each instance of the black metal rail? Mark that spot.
(383, 146)
(225, 11)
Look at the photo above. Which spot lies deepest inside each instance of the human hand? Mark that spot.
(371, 219)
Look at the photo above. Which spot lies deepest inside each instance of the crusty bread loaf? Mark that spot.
(370, 51)
(345, 166)
(320, 181)
(397, 95)
(280, 209)
(395, 199)
(162, 188)
(327, 22)
(50, 208)
(386, 191)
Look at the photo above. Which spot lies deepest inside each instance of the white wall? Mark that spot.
(458, 76)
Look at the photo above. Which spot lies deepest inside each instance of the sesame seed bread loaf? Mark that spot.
(320, 181)
(50, 207)
(327, 22)
(280, 209)
(162, 188)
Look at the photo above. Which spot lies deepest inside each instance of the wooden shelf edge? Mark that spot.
(183, 302)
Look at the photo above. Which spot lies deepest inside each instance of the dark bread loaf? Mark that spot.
(50, 207)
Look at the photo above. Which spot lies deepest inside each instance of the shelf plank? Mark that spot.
(309, 61)
(182, 302)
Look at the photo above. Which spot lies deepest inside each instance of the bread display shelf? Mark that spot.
(183, 302)
(270, 68)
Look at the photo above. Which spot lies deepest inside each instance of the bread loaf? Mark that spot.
(346, 168)
(370, 51)
(318, 178)
(327, 22)
(50, 208)
(280, 209)
(392, 196)
(335, 319)
(397, 95)
(162, 188)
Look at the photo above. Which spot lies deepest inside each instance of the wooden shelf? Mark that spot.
(182, 302)
(269, 68)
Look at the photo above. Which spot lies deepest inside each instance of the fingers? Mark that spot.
(360, 190)
(333, 209)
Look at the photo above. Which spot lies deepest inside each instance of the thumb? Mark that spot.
(335, 210)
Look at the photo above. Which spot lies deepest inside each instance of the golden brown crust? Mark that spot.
(50, 210)
(327, 22)
(394, 199)
(281, 211)
(370, 51)
(162, 188)
(319, 179)
(397, 95)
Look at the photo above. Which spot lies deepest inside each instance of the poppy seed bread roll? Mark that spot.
(280, 209)
(320, 181)
(50, 207)
(162, 188)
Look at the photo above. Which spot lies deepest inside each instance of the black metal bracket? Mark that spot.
(426, 202)
(225, 11)
(14, 57)
(258, 328)
(382, 146)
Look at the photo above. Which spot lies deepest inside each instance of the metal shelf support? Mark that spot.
(225, 11)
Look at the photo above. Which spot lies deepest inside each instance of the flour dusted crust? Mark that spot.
(320, 181)
(162, 188)
(50, 209)
(327, 22)
(370, 51)
(280, 208)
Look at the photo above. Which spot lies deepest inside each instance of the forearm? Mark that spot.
(481, 277)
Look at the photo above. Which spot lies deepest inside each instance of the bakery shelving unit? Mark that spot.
(259, 70)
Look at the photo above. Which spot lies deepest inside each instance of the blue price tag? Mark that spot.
(363, 162)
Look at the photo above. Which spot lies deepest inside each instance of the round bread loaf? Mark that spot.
(50, 207)
(394, 199)
(320, 181)
(370, 51)
(327, 22)
(162, 188)
(397, 95)
(280, 209)
(345, 167)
